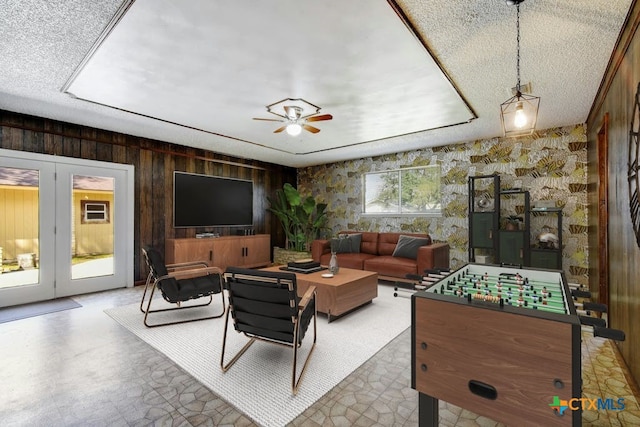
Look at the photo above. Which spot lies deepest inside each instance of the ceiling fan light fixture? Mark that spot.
(298, 113)
(293, 112)
(519, 114)
(294, 129)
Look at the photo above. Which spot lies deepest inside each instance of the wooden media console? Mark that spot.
(222, 252)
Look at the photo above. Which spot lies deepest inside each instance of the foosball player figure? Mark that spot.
(520, 301)
(545, 293)
(499, 285)
(509, 293)
(518, 279)
(534, 297)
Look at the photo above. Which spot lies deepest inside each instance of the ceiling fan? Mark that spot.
(295, 120)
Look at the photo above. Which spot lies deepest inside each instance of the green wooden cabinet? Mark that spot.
(545, 258)
(482, 230)
(512, 247)
(546, 254)
(484, 211)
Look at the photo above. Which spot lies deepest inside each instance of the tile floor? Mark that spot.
(80, 368)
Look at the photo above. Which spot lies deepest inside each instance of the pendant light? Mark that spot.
(520, 112)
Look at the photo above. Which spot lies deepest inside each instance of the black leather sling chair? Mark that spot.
(179, 283)
(265, 306)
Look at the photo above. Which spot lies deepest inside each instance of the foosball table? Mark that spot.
(502, 342)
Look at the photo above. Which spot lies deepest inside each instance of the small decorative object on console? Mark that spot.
(548, 241)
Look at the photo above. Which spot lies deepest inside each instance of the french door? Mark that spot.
(66, 227)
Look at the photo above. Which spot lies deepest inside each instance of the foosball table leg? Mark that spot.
(427, 411)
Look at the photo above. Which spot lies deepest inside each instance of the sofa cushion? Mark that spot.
(346, 243)
(369, 244)
(387, 241)
(407, 246)
(346, 260)
(387, 265)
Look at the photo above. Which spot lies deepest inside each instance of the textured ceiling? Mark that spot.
(565, 46)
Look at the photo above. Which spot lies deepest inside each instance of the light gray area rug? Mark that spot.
(259, 383)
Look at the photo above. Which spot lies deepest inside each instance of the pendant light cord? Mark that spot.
(518, 49)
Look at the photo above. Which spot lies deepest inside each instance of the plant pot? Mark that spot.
(512, 226)
(282, 256)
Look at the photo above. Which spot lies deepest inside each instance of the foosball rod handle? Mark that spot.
(600, 328)
(593, 321)
(580, 294)
(594, 306)
(612, 334)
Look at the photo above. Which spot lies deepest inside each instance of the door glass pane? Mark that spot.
(92, 227)
(19, 227)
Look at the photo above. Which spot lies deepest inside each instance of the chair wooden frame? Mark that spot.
(178, 271)
(307, 298)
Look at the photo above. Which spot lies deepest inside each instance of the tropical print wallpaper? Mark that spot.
(551, 165)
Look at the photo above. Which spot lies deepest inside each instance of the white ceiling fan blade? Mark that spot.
(268, 120)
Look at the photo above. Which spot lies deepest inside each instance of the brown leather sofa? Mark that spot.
(376, 254)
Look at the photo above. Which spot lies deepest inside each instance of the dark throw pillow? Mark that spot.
(346, 243)
(407, 246)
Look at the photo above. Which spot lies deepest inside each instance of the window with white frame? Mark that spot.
(409, 191)
(95, 211)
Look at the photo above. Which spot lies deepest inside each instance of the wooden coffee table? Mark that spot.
(340, 294)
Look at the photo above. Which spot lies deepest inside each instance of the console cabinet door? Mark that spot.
(257, 250)
(226, 253)
(188, 250)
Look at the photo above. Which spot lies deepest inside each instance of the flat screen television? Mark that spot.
(211, 201)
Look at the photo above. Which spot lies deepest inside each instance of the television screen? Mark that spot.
(211, 201)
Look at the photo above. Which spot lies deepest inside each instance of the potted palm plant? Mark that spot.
(302, 219)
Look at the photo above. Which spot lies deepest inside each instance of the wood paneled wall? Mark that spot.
(615, 98)
(154, 162)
